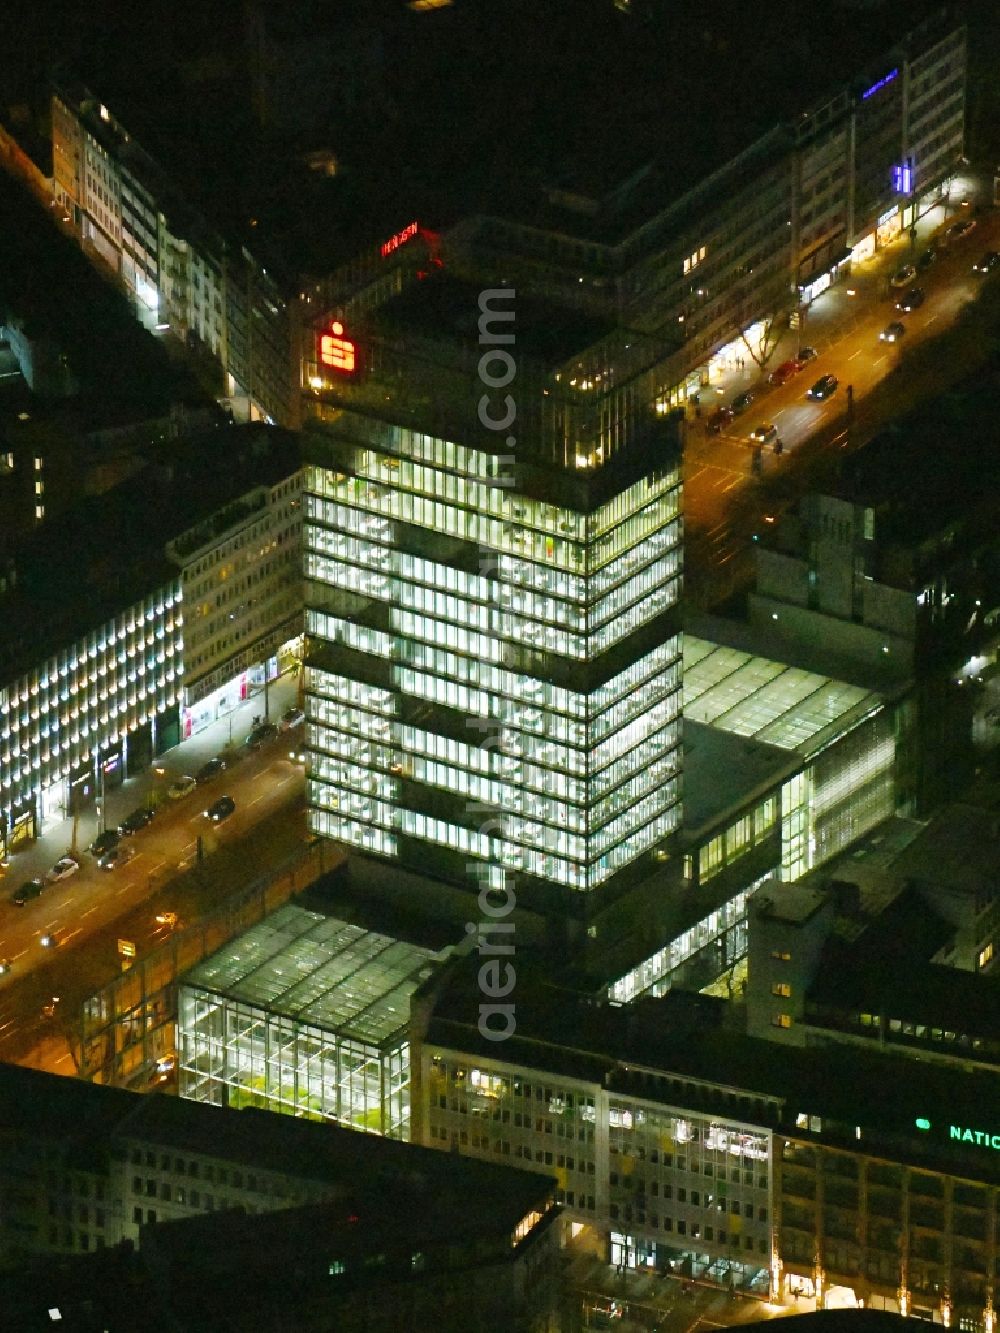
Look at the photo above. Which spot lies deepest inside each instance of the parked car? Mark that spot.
(987, 263)
(136, 821)
(958, 230)
(31, 888)
(292, 717)
(63, 869)
(824, 388)
(210, 770)
(104, 842)
(807, 354)
(265, 732)
(903, 276)
(741, 402)
(722, 416)
(892, 332)
(220, 809)
(783, 373)
(182, 787)
(911, 300)
(766, 433)
(927, 259)
(116, 857)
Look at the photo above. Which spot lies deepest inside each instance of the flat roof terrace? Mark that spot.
(768, 701)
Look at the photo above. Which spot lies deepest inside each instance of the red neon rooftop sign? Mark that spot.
(400, 238)
(336, 351)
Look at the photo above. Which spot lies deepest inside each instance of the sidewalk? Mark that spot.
(149, 788)
(835, 312)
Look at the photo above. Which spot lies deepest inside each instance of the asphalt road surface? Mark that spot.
(725, 503)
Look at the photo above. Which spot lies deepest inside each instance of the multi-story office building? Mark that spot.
(494, 678)
(830, 1175)
(784, 767)
(90, 687)
(185, 277)
(700, 245)
(899, 959)
(96, 683)
(899, 577)
(87, 1168)
(241, 583)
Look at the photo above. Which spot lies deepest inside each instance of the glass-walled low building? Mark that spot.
(305, 1015)
(784, 769)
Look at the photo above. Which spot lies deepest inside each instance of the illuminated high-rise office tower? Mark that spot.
(493, 564)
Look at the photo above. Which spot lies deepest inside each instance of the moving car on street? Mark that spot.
(766, 433)
(824, 388)
(722, 416)
(116, 857)
(911, 300)
(892, 332)
(987, 263)
(903, 276)
(220, 809)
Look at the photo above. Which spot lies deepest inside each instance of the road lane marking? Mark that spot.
(89, 911)
(878, 362)
(72, 935)
(854, 354)
(737, 482)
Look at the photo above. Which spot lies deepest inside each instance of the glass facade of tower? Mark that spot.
(432, 588)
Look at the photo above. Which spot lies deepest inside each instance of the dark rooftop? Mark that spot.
(564, 115)
(848, 1086)
(958, 852)
(447, 307)
(123, 371)
(113, 545)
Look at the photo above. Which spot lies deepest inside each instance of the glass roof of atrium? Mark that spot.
(319, 970)
(768, 701)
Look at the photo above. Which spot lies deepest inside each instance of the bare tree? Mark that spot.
(761, 347)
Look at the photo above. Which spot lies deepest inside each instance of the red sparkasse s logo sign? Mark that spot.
(336, 351)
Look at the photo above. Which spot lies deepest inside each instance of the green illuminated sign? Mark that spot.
(980, 1137)
(921, 1123)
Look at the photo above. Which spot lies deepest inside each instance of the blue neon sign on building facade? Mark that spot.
(877, 87)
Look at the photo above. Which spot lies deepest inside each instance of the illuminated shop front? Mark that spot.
(204, 708)
(304, 1015)
(889, 226)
